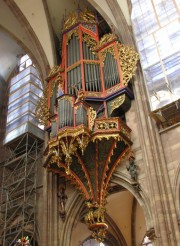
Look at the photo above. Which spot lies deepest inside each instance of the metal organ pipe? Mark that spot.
(111, 70)
(73, 56)
(111, 73)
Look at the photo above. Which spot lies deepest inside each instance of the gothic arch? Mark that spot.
(141, 197)
(75, 204)
(73, 211)
(38, 55)
(25, 48)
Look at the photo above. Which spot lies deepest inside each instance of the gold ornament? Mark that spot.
(92, 117)
(117, 102)
(107, 38)
(42, 111)
(108, 50)
(128, 59)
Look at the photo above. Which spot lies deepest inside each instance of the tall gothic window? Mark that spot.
(25, 89)
(156, 25)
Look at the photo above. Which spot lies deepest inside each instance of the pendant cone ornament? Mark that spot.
(91, 169)
(95, 221)
(88, 95)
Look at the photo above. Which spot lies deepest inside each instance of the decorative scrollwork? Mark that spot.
(90, 41)
(107, 38)
(69, 35)
(117, 102)
(42, 111)
(107, 125)
(54, 71)
(83, 141)
(59, 81)
(71, 20)
(108, 50)
(68, 148)
(87, 16)
(128, 58)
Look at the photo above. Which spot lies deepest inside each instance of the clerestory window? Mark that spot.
(25, 89)
(156, 25)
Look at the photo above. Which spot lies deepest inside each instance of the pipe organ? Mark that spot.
(86, 98)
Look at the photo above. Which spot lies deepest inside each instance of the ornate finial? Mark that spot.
(94, 218)
(79, 16)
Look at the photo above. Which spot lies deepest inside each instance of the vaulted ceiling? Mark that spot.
(9, 52)
(34, 27)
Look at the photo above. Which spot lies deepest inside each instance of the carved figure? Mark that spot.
(94, 215)
(62, 201)
(132, 169)
(79, 94)
(98, 214)
(89, 218)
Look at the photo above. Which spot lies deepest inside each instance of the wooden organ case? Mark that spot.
(83, 107)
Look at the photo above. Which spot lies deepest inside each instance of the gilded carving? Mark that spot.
(83, 141)
(42, 111)
(117, 102)
(94, 218)
(87, 16)
(73, 66)
(54, 71)
(69, 34)
(84, 16)
(114, 89)
(93, 94)
(128, 58)
(108, 50)
(66, 97)
(68, 148)
(92, 117)
(59, 81)
(71, 20)
(90, 41)
(107, 38)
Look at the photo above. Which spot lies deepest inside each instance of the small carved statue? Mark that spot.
(132, 168)
(62, 201)
(79, 94)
